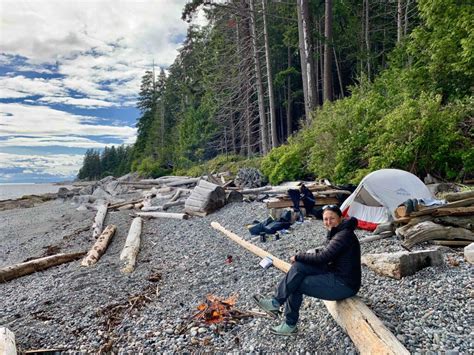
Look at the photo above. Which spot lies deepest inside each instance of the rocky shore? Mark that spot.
(94, 309)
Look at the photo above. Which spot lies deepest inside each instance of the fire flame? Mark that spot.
(216, 309)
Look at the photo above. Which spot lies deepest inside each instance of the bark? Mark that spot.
(327, 81)
(399, 20)
(8, 273)
(289, 113)
(368, 333)
(132, 246)
(100, 246)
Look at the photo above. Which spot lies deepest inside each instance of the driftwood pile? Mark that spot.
(451, 224)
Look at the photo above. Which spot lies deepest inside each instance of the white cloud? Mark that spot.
(20, 86)
(63, 165)
(26, 120)
(89, 103)
(68, 142)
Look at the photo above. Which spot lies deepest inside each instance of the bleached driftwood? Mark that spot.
(182, 181)
(205, 197)
(164, 207)
(8, 273)
(132, 246)
(456, 196)
(99, 219)
(99, 247)
(368, 333)
(7, 342)
(163, 215)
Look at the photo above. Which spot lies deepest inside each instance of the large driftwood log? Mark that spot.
(205, 198)
(456, 196)
(403, 263)
(460, 203)
(99, 247)
(456, 221)
(125, 203)
(368, 333)
(182, 181)
(424, 231)
(8, 273)
(99, 219)
(7, 342)
(286, 202)
(132, 245)
(163, 215)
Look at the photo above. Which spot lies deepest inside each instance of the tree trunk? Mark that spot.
(338, 74)
(163, 215)
(8, 273)
(289, 113)
(132, 246)
(307, 66)
(368, 333)
(399, 20)
(367, 42)
(259, 82)
(273, 125)
(327, 82)
(100, 246)
(98, 224)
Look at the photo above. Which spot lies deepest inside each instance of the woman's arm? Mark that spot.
(335, 247)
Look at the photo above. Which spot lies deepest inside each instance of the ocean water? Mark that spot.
(12, 191)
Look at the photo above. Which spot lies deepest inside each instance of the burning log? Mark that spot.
(368, 333)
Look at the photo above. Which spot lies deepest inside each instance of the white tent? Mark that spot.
(380, 193)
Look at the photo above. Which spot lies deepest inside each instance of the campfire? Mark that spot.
(219, 310)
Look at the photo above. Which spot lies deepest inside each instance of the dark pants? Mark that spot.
(315, 281)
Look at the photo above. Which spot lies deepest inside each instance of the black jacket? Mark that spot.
(341, 255)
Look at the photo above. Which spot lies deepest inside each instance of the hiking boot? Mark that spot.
(284, 329)
(268, 305)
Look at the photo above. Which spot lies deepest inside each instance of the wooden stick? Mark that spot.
(132, 245)
(98, 224)
(368, 333)
(120, 204)
(12, 272)
(99, 247)
(7, 342)
(163, 215)
(375, 237)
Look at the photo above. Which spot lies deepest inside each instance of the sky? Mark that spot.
(70, 72)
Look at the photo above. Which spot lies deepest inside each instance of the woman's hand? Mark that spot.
(293, 259)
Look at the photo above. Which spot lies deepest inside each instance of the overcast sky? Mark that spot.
(70, 71)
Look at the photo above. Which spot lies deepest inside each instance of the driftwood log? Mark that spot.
(163, 215)
(368, 333)
(132, 246)
(14, 271)
(98, 224)
(456, 196)
(424, 231)
(99, 247)
(7, 342)
(205, 198)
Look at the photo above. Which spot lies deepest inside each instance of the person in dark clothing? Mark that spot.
(331, 273)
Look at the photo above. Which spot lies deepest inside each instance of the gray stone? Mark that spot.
(469, 253)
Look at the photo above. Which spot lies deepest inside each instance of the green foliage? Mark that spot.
(151, 168)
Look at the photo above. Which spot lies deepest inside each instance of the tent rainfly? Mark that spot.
(380, 193)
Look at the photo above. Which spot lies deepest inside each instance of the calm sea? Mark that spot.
(11, 191)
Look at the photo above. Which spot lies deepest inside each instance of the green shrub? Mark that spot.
(148, 167)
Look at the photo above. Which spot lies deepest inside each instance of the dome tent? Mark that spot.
(378, 195)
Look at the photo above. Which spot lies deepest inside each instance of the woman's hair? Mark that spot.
(333, 208)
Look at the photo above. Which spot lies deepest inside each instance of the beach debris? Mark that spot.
(205, 198)
(163, 215)
(469, 253)
(8, 273)
(98, 224)
(100, 246)
(132, 246)
(401, 264)
(7, 342)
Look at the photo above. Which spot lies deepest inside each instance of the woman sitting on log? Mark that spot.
(331, 273)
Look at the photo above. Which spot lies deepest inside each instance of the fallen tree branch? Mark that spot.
(368, 333)
(98, 224)
(14, 271)
(163, 215)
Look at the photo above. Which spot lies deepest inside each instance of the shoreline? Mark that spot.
(66, 306)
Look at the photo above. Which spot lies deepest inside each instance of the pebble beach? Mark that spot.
(99, 309)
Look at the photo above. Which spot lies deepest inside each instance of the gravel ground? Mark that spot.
(182, 261)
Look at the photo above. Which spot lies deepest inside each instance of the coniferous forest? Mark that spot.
(309, 88)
